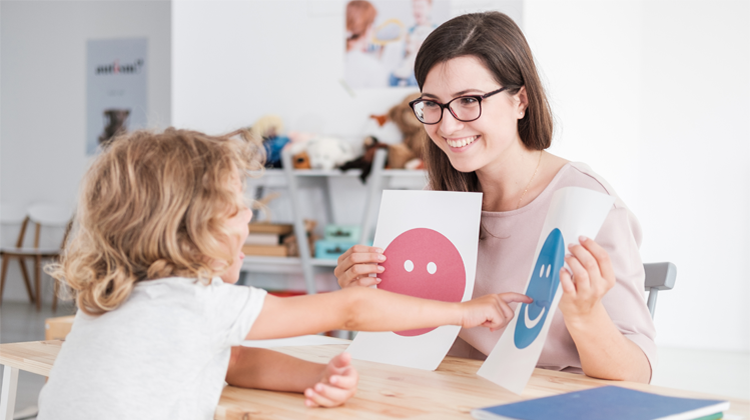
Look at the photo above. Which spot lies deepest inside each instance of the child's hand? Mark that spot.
(491, 311)
(337, 384)
(592, 278)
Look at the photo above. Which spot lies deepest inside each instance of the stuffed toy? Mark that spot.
(269, 128)
(324, 152)
(364, 162)
(301, 161)
(412, 130)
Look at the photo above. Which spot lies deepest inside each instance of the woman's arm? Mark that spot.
(327, 385)
(604, 351)
(365, 309)
(356, 265)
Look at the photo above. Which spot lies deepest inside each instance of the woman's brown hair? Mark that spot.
(494, 39)
(154, 206)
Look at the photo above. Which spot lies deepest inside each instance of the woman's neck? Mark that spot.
(512, 181)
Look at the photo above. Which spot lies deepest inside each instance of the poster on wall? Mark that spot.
(431, 255)
(382, 39)
(116, 91)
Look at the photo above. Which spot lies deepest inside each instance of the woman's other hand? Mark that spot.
(337, 384)
(357, 263)
(592, 278)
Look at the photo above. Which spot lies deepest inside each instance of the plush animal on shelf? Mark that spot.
(364, 162)
(301, 161)
(324, 153)
(270, 129)
(413, 131)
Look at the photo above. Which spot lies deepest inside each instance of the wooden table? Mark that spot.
(385, 392)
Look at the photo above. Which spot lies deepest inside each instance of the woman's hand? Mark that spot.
(357, 263)
(337, 383)
(491, 311)
(592, 278)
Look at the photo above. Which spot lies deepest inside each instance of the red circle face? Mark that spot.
(425, 264)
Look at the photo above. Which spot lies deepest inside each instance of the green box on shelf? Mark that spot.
(331, 250)
(349, 233)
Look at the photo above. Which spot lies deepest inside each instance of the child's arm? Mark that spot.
(324, 385)
(365, 309)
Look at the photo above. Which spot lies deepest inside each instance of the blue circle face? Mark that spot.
(542, 288)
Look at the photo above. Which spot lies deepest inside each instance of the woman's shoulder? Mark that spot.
(579, 174)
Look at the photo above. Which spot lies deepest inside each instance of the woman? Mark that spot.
(484, 108)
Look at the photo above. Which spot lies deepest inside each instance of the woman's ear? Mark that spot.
(522, 102)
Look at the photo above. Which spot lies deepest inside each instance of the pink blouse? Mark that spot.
(506, 253)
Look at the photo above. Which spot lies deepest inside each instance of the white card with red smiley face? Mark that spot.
(430, 239)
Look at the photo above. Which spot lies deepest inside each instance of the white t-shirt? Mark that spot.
(163, 354)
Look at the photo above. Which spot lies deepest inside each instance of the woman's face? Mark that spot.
(476, 145)
(238, 227)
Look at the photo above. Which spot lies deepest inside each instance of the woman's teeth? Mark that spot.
(461, 142)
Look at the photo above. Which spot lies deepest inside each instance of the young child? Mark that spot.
(161, 223)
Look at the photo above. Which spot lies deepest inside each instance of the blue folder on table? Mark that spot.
(607, 402)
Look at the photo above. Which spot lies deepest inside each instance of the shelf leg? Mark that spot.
(299, 225)
(373, 191)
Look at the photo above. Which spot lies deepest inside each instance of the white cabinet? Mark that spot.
(296, 181)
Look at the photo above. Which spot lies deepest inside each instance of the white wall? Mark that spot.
(43, 101)
(655, 96)
(652, 94)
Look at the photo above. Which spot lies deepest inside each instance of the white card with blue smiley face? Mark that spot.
(573, 212)
(430, 242)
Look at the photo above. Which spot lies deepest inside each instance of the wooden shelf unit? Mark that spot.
(294, 181)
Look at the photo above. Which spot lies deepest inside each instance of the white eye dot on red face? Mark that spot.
(408, 266)
(431, 267)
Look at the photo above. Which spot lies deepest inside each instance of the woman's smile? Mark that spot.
(460, 143)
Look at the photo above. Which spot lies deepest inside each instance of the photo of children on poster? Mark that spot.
(382, 39)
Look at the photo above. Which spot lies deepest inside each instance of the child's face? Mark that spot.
(238, 226)
(422, 9)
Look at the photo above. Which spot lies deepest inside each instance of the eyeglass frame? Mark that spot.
(443, 107)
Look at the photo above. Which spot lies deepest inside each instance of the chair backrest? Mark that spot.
(14, 218)
(11, 214)
(50, 215)
(659, 276)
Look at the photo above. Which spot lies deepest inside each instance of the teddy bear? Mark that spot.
(413, 131)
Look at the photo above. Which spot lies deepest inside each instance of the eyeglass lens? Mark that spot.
(464, 108)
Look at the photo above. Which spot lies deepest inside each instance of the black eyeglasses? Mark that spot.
(463, 108)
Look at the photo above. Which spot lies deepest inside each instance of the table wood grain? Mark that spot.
(384, 392)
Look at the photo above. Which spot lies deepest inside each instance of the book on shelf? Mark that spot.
(606, 402)
(263, 239)
(265, 250)
(277, 228)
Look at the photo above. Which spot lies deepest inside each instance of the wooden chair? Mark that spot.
(48, 215)
(14, 215)
(659, 276)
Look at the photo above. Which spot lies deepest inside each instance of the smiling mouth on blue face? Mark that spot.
(545, 279)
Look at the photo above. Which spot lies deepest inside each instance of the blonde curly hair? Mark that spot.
(154, 205)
